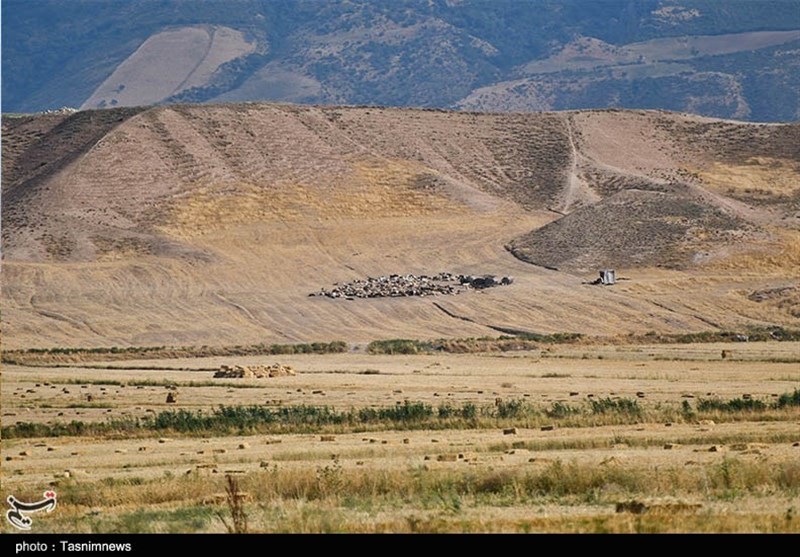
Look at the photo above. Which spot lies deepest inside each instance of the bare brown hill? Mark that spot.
(212, 224)
(632, 228)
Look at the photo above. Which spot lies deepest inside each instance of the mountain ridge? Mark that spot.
(731, 61)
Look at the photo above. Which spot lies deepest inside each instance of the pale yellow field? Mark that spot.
(391, 478)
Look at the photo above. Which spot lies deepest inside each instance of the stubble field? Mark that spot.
(619, 438)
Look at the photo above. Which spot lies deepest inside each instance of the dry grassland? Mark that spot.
(657, 468)
(209, 226)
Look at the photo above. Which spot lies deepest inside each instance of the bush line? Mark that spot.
(44, 355)
(408, 415)
(518, 341)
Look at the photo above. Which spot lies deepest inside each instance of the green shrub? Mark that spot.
(618, 406)
(789, 399)
(561, 410)
(469, 411)
(509, 409)
(406, 412)
(397, 346)
(733, 405)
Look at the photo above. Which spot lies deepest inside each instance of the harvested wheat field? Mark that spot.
(626, 438)
(262, 317)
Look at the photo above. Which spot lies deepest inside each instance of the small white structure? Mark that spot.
(608, 277)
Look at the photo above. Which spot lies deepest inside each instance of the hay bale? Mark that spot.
(548, 427)
(447, 458)
(327, 438)
(510, 431)
(253, 372)
(172, 397)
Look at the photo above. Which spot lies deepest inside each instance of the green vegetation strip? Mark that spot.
(41, 356)
(155, 383)
(529, 341)
(748, 404)
(408, 415)
(57, 357)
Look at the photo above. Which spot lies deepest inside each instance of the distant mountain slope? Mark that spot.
(732, 59)
(212, 224)
(680, 73)
(169, 63)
